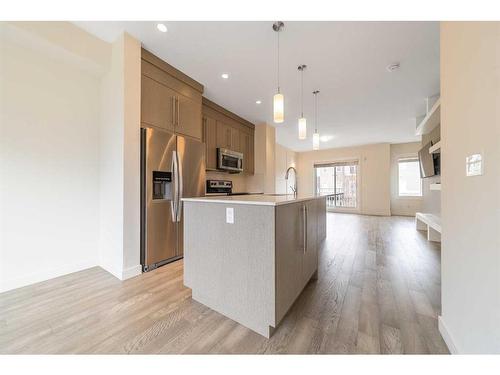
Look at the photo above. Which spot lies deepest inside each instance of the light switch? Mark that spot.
(230, 215)
(474, 165)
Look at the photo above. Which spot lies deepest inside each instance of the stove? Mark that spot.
(223, 187)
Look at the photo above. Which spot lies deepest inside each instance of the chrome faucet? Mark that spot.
(294, 187)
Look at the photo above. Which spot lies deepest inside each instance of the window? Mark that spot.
(339, 182)
(409, 182)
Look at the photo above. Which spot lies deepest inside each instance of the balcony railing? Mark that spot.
(338, 199)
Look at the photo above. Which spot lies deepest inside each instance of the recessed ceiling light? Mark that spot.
(258, 101)
(392, 67)
(225, 75)
(326, 138)
(162, 27)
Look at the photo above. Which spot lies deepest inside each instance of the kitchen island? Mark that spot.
(249, 257)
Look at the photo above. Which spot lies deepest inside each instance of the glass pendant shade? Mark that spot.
(279, 108)
(316, 141)
(302, 128)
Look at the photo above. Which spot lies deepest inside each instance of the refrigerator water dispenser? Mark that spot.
(162, 182)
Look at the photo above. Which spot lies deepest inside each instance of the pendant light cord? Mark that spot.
(278, 62)
(315, 112)
(302, 93)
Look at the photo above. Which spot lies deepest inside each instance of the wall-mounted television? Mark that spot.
(429, 163)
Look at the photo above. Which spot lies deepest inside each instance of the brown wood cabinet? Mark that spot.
(228, 136)
(188, 117)
(224, 129)
(157, 104)
(210, 139)
(247, 148)
(170, 99)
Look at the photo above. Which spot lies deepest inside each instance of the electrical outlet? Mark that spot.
(230, 215)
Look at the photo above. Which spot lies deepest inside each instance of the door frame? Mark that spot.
(357, 159)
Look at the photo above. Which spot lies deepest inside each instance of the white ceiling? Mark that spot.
(360, 101)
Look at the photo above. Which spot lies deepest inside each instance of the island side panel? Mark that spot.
(231, 267)
(289, 256)
(321, 202)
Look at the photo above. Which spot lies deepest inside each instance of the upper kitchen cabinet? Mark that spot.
(224, 129)
(247, 148)
(210, 139)
(228, 136)
(189, 117)
(157, 104)
(170, 99)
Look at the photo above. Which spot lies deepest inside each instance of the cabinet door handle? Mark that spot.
(307, 223)
(204, 125)
(173, 110)
(178, 112)
(304, 227)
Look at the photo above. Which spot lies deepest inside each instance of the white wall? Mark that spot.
(69, 153)
(374, 174)
(470, 123)
(284, 158)
(131, 156)
(111, 167)
(270, 171)
(49, 160)
(405, 206)
(120, 160)
(264, 149)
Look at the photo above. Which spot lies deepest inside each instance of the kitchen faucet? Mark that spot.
(294, 187)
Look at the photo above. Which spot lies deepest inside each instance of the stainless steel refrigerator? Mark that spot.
(172, 167)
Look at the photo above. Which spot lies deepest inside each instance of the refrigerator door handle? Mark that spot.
(173, 202)
(180, 192)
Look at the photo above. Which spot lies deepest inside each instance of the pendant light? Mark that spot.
(316, 134)
(278, 99)
(302, 119)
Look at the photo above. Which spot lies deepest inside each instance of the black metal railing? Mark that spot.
(336, 199)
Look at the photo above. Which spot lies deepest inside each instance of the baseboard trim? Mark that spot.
(38, 277)
(112, 270)
(123, 274)
(445, 333)
(131, 272)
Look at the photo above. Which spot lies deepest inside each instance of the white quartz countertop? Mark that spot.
(257, 199)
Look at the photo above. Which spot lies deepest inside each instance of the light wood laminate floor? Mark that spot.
(378, 292)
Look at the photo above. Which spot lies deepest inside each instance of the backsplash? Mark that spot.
(239, 180)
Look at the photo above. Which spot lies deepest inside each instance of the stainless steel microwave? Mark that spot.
(228, 160)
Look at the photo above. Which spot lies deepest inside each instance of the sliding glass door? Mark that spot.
(338, 182)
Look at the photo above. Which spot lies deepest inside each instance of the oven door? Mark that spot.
(229, 160)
